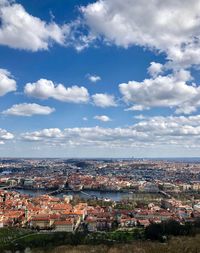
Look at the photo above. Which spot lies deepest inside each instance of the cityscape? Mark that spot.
(94, 196)
(100, 126)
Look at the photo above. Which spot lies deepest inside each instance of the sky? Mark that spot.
(99, 78)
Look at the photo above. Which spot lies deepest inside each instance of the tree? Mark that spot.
(154, 231)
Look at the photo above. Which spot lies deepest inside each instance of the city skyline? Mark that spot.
(102, 78)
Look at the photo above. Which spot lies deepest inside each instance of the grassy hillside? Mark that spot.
(175, 245)
(8, 235)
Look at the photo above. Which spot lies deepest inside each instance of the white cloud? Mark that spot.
(104, 100)
(137, 108)
(155, 69)
(80, 136)
(172, 91)
(156, 131)
(47, 133)
(28, 110)
(21, 30)
(5, 135)
(139, 117)
(154, 24)
(80, 38)
(180, 128)
(45, 89)
(103, 118)
(7, 83)
(85, 118)
(94, 78)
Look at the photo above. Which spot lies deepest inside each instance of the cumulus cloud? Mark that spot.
(94, 78)
(28, 110)
(155, 69)
(139, 117)
(154, 24)
(104, 100)
(156, 131)
(47, 133)
(157, 25)
(137, 108)
(7, 83)
(21, 30)
(173, 90)
(45, 89)
(103, 118)
(80, 136)
(5, 136)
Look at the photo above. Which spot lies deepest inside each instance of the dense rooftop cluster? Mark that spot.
(173, 188)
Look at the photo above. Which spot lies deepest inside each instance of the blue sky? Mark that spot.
(99, 78)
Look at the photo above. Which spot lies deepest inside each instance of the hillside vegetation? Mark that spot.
(174, 245)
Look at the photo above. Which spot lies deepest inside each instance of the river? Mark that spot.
(116, 196)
